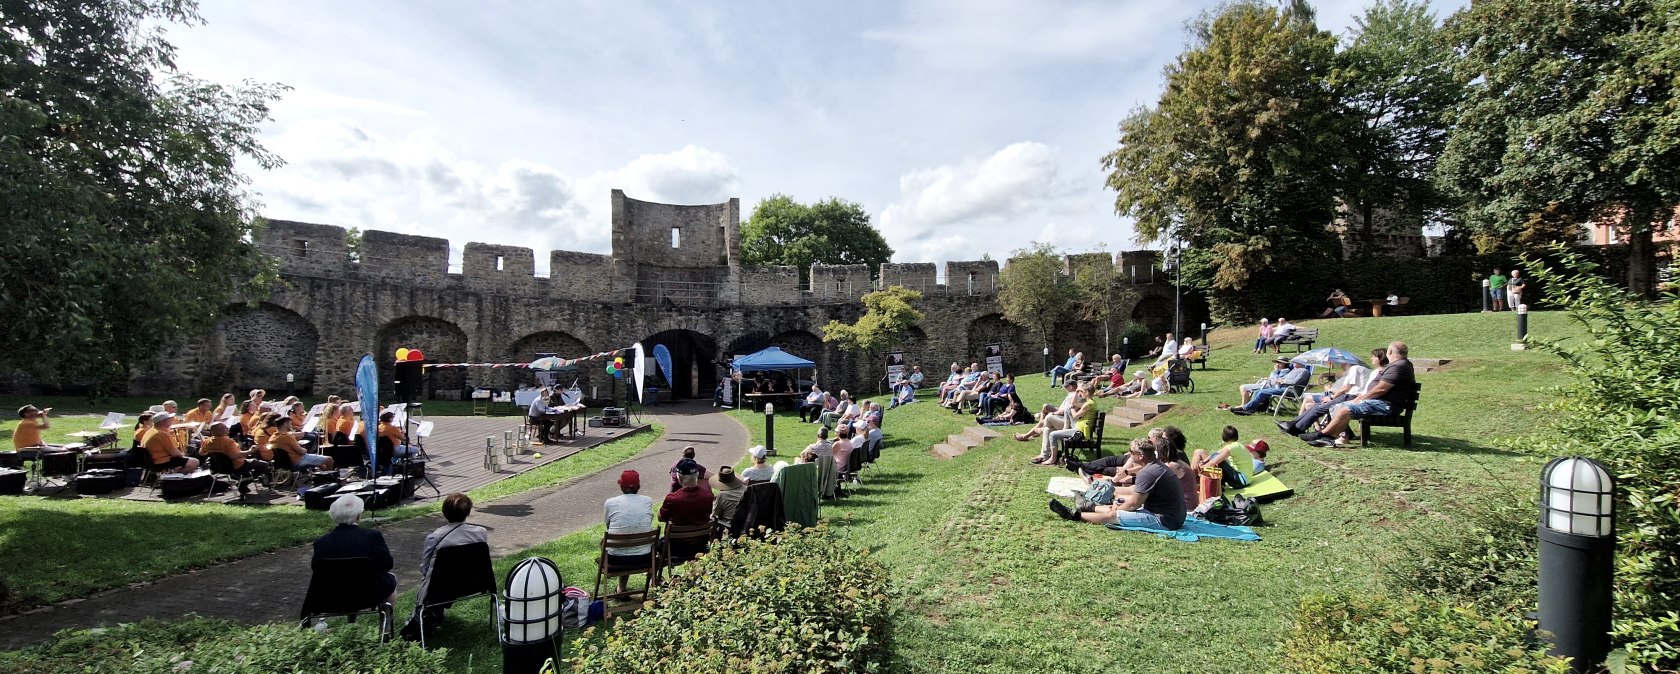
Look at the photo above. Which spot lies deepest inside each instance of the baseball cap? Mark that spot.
(759, 452)
(161, 417)
(630, 478)
(688, 467)
(1259, 447)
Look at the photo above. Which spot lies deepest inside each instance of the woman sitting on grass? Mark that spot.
(1016, 413)
(1155, 500)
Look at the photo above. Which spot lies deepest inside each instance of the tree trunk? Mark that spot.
(1367, 237)
(1642, 263)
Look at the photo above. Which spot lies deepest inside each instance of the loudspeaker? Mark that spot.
(409, 383)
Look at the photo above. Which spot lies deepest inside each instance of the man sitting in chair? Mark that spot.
(1295, 375)
(629, 513)
(537, 414)
(1356, 379)
(220, 443)
(455, 531)
(31, 422)
(688, 505)
(160, 444)
(1391, 391)
(349, 540)
(283, 441)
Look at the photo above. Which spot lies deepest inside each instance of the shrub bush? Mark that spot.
(222, 647)
(1348, 633)
(803, 602)
(1487, 556)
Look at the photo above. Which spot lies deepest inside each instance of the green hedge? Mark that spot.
(222, 647)
(805, 602)
(1351, 633)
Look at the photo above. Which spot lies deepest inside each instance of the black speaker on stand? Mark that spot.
(409, 376)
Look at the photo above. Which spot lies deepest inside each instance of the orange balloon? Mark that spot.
(414, 354)
(402, 353)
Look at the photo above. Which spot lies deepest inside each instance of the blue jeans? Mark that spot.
(1138, 518)
(1368, 408)
(1257, 401)
(311, 460)
(1056, 374)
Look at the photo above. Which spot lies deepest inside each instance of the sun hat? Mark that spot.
(726, 480)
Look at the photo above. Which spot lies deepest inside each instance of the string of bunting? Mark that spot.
(559, 362)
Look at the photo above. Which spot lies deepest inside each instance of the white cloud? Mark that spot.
(1000, 33)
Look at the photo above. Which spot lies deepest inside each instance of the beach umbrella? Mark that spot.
(548, 363)
(1327, 356)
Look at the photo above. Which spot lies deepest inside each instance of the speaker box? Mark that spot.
(409, 381)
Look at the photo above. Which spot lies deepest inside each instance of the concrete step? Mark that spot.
(981, 433)
(1153, 405)
(964, 441)
(945, 451)
(1121, 422)
(1128, 413)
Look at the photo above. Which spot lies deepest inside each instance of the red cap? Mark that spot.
(1259, 447)
(630, 478)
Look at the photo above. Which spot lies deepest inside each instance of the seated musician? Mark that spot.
(201, 413)
(220, 443)
(298, 413)
(142, 426)
(389, 430)
(160, 445)
(538, 413)
(262, 437)
(281, 440)
(345, 432)
(31, 421)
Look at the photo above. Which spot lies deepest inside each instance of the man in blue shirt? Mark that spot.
(1055, 374)
(1295, 377)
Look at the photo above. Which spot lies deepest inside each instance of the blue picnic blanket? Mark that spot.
(1194, 529)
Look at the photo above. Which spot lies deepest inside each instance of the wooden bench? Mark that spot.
(1401, 419)
(1302, 338)
(1199, 356)
(1092, 443)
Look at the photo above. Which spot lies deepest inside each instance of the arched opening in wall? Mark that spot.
(808, 346)
(559, 343)
(440, 341)
(694, 363)
(993, 329)
(1156, 315)
(752, 342)
(256, 347)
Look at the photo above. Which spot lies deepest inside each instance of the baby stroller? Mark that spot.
(1178, 376)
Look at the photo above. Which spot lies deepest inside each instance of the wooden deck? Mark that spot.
(455, 461)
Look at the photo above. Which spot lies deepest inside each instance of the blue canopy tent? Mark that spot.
(771, 359)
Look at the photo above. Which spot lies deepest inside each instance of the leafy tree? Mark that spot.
(782, 231)
(887, 315)
(1033, 293)
(1103, 293)
(128, 226)
(1571, 116)
(1241, 155)
(1395, 80)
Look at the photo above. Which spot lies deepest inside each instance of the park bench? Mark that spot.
(1302, 338)
(1093, 443)
(1401, 419)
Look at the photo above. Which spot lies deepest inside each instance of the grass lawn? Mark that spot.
(54, 548)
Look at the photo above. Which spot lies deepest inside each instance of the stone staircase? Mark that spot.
(959, 443)
(1137, 412)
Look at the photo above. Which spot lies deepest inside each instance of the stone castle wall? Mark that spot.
(340, 301)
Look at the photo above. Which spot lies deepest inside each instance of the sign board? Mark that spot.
(728, 393)
(895, 366)
(994, 358)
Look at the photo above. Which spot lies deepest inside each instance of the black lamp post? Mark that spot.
(770, 428)
(1521, 311)
(1577, 554)
(530, 616)
(1486, 290)
(1178, 289)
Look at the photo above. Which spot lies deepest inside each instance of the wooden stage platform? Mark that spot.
(455, 461)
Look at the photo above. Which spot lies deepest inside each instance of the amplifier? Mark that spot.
(614, 417)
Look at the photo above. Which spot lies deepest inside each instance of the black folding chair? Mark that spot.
(458, 572)
(346, 588)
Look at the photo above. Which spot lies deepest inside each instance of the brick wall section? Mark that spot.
(971, 278)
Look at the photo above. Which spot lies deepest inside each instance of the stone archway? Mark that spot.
(256, 347)
(441, 341)
(752, 342)
(562, 344)
(993, 329)
(1155, 313)
(694, 362)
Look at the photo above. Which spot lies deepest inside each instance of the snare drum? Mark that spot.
(59, 463)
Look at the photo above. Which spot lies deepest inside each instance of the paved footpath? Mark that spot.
(251, 590)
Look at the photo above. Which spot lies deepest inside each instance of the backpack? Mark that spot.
(1101, 492)
(1235, 510)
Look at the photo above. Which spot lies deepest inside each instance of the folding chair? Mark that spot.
(603, 570)
(1292, 396)
(221, 470)
(684, 542)
(345, 588)
(458, 572)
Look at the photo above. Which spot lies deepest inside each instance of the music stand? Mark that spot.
(406, 461)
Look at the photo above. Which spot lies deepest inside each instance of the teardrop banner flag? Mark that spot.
(367, 386)
(663, 356)
(637, 371)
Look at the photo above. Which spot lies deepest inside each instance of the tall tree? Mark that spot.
(1395, 78)
(128, 227)
(888, 316)
(782, 231)
(1102, 293)
(1033, 293)
(1241, 155)
(1571, 116)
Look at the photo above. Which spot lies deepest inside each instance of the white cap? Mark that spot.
(161, 417)
(759, 452)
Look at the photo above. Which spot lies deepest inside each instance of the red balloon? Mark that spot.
(414, 354)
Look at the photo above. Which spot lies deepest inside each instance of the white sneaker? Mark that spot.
(320, 626)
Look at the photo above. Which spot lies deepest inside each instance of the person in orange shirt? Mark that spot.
(282, 441)
(201, 414)
(160, 445)
(227, 401)
(389, 430)
(220, 443)
(297, 413)
(328, 427)
(31, 421)
(346, 432)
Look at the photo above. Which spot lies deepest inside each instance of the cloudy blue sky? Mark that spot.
(965, 127)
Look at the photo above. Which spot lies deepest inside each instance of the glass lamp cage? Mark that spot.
(1577, 496)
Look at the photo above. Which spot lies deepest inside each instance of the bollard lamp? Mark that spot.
(533, 600)
(770, 428)
(1577, 559)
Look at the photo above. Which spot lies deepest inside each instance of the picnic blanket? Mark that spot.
(1066, 486)
(1194, 529)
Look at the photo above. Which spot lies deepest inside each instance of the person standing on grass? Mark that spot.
(1514, 288)
(1496, 289)
(1156, 500)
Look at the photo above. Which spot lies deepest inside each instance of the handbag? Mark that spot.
(1235, 510)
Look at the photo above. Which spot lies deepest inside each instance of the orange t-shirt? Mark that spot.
(198, 416)
(347, 425)
(227, 446)
(391, 433)
(297, 419)
(27, 433)
(260, 444)
(288, 444)
(160, 445)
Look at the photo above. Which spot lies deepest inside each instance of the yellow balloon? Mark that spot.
(402, 354)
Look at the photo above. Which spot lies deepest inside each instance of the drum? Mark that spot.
(11, 481)
(179, 485)
(98, 460)
(59, 463)
(99, 481)
(10, 460)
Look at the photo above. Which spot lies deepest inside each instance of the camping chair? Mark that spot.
(284, 472)
(611, 542)
(345, 588)
(458, 572)
(854, 463)
(1262, 486)
(688, 541)
(1291, 398)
